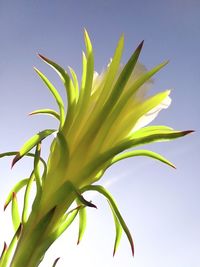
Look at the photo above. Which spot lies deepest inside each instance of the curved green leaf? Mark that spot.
(32, 142)
(56, 95)
(66, 222)
(138, 83)
(50, 112)
(115, 210)
(75, 82)
(82, 222)
(15, 212)
(15, 189)
(135, 140)
(71, 92)
(26, 199)
(146, 153)
(116, 92)
(123, 78)
(3, 252)
(32, 155)
(6, 257)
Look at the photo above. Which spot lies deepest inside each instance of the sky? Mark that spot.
(159, 204)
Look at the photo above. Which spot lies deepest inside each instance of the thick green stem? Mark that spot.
(34, 240)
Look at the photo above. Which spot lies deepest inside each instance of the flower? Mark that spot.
(107, 114)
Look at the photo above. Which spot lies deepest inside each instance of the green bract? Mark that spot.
(106, 114)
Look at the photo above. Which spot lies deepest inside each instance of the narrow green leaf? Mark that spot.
(64, 77)
(136, 140)
(75, 82)
(15, 212)
(3, 251)
(37, 167)
(50, 112)
(63, 149)
(66, 222)
(37, 175)
(122, 80)
(116, 93)
(15, 189)
(69, 218)
(109, 80)
(90, 68)
(6, 258)
(56, 95)
(138, 83)
(32, 142)
(32, 155)
(25, 212)
(118, 231)
(146, 153)
(113, 204)
(82, 222)
(112, 71)
(71, 92)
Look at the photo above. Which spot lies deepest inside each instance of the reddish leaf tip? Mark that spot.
(5, 247)
(132, 249)
(14, 195)
(42, 57)
(55, 262)
(5, 206)
(188, 132)
(16, 158)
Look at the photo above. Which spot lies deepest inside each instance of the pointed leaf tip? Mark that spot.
(4, 249)
(55, 262)
(140, 45)
(16, 158)
(188, 132)
(5, 206)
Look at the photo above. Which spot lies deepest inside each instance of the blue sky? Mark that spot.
(160, 205)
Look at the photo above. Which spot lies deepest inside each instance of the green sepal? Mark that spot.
(112, 71)
(16, 188)
(138, 83)
(50, 112)
(115, 211)
(37, 167)
(140, 137)
(31, 143)
(122, 80)
(3, 251)
(118, 231)
(38, 230)
(82, 222)
(66, 221)
(7, 254)
(25, 210)
(69, 87)
(146, 153)
(15, 212)
(32, 155)
(75, 82)
(64, 150)
(56, 95)
(89, 70)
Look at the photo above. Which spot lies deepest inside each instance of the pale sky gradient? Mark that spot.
(161, 205)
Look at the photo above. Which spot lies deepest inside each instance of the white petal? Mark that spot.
(152, 114)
